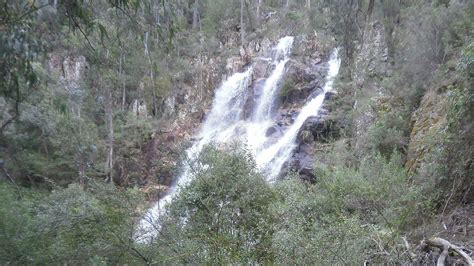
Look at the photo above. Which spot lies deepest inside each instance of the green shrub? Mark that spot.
(16, 217)
(222, 216)
(447, 166)
(352, 215)
(309, 230)
(71, 225)
(289, 84)
(80, 223)
(466, 63)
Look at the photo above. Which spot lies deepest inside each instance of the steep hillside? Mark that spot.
(237, 132)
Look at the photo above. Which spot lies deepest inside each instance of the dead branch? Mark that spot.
(446, 246)
(11, 179)
(407, 246)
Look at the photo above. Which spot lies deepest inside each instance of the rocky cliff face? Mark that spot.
(429, 121)
(304, 78)
(370, 67)
(190, 99)
(368, 95)
(70, 70)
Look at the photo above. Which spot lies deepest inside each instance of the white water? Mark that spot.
(272, 158)
(226, 112)
(225, 122)
(265, 102)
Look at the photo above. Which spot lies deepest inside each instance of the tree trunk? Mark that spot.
(109, 165)
(250, 15)
(124, 92)
(201, 67)
(370, 9)
(152, 77)
(9, 177)
(242, 26)
(156, 13)
(257, 14)
(82, 174)
(446, 246)
(196, 16)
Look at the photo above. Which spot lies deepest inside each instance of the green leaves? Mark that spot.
(223, 215)
(103, 32)
(71, 224)
(133, 4)
(466, 62)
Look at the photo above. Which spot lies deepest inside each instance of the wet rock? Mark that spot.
(302, 162)
(252, 97)
(306, 136)
(329, 95)
(302, 83)
(234, 64)
(258, 87)
(316, 91)
(315, 72)
(301, 94)
(273, 130)
(295, 70)
(307, 174)
(320, 127)
(261, 67)
(286, 116)
(316, 60)
(323, 113)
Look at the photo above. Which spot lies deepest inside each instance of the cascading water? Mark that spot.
(272, 158)
(226, 122)
(265, 102)
(226, 112)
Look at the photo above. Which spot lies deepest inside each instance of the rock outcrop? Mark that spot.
(370, 66)
(429, 121)
(305, 73)
(70, 70)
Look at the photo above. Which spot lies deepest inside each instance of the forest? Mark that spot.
(144, 132)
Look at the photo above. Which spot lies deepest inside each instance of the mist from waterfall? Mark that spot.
(226, 121)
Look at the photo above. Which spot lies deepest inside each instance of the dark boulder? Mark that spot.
(302, 162)
(273, 131)
(329, 95)
(321, 127)
(261, 68)
(252, 97)
(300, 86)
(286, 117)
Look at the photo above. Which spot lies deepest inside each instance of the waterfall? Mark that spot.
(265, 102)
(226, 111)
(272, 158)
(226, 122)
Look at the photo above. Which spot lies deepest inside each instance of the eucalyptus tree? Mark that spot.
(222, 216)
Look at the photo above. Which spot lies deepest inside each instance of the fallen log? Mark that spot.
(445, 247)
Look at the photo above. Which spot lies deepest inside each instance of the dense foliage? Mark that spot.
(68, 225)
(84, 112)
